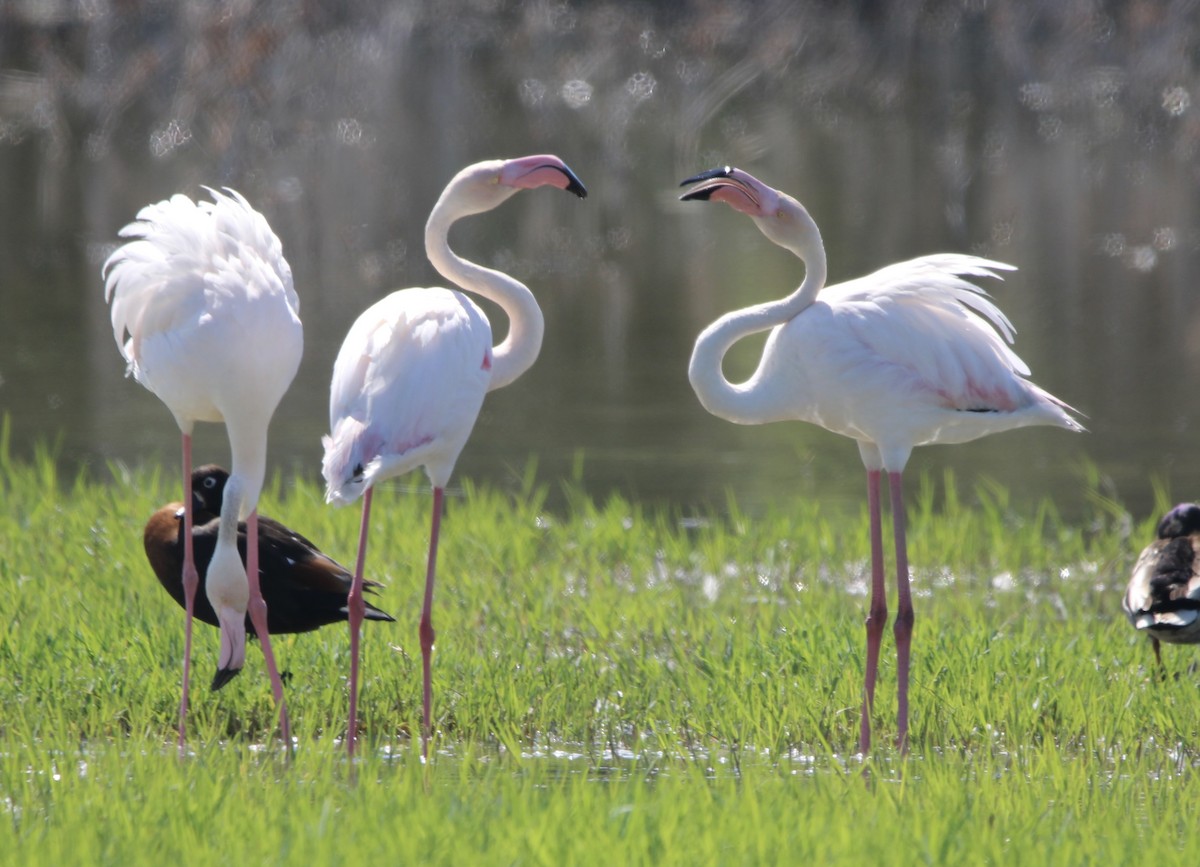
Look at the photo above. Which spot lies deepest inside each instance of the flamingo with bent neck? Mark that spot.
(205, 315)
(909, 355)
(411, 375)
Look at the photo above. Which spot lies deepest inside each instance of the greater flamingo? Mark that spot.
(410, 377)
(304, 589)
(204, 312)
(1163, 597)
(910, 355)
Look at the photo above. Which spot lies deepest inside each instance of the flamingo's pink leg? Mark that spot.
(356, 610)
(258, 617)
(426, 629)
(191, 580)
(904, 615)
(877, 614)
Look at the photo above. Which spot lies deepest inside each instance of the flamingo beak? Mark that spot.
(724, 173)
(736, 188)
(223, 676)
(233, 645)
(527, 173)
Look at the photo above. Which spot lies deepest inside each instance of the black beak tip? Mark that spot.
(722, 172)
(696, 196)
(223, 676)
(574, 185)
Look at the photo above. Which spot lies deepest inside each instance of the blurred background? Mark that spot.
(1058, 135)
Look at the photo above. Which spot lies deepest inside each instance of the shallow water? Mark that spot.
(1063, 141)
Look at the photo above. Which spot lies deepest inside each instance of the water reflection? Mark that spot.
(1059, 137)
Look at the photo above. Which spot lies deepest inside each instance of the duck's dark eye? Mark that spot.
(358, 471)
(210, 483)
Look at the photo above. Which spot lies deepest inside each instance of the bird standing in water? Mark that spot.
(205, 315)
(411, 375)
(909, 355)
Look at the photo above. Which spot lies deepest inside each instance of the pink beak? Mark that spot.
(233, 646)
(527, 173)
(736, 188)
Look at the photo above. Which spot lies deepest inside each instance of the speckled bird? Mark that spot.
(1163, 596)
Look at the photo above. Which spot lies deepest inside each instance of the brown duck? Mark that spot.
(303, 588)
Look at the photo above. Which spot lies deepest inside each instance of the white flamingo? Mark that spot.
(910, 355)
(410, 377)
(204, 312)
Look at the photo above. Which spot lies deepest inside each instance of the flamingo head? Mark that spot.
(780, 217)
(1183, 520)
(483, 186)
(351, 463)
(527, 173)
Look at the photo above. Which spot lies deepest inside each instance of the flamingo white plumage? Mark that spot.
(204, 312)
(411, 375)
(911, 355)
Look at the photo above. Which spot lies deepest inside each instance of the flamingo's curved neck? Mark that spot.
(521, 345)
(741, 402)
(232, 500)
(248, 467)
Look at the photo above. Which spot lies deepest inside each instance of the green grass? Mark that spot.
(612, 686)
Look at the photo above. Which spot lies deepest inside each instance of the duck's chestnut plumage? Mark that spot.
(304, 589)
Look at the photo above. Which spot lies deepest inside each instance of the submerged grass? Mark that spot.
(611, 686)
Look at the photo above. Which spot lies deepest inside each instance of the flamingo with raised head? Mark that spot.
(1163, 597)
(205, 315)
(910, 355)
(411, 375)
